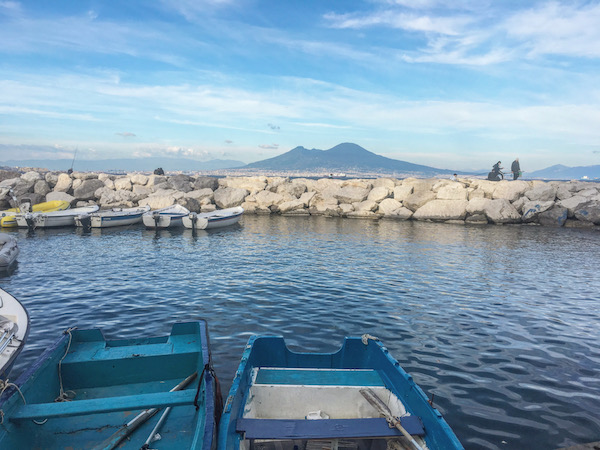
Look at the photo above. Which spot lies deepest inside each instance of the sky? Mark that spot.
(451, 84)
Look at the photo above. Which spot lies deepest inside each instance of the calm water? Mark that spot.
(500, 323)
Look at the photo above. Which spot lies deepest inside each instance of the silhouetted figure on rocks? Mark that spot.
(159, 171)
(515, 168)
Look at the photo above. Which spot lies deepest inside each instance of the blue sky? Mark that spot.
(447, 83)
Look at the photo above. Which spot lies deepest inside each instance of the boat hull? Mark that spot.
(53, 219)
(14, 312)
(169, 217)
(109, 383)
(115, 217)
(276, 390)
(9, 221)
(9, 250)
(215, 219)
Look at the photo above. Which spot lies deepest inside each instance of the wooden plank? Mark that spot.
(319, 377)
(326, 428)
(104, 405)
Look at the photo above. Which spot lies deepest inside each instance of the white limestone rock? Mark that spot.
(379, 193)
(31, 176)
(154, 180)
(367, 205)
(201, 194)
(250, 184)
(292, 205)
(389, 183)
(417, 199)
(510, 190)
(442, 210)
(452, 191)
(229, 197)
(532, 209)
(158, 201)
(542, 193)
(62, 196)
(123, 183)
(41, 187)
(293, 189)
(496, 211)
(63, 183)
(572, 203)
(351, 194)
(51, 178)
(139, 179)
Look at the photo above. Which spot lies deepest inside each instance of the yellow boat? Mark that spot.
(8, 216)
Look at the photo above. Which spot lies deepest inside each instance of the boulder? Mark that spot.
(9, 174)
(123, 184)
(23, 187)
(41, 187)
(31, 176)
(292, 205)
(181, 183)
(496, 211)
(120, 198)
(452, 191)
(63, 183)
(211, 183)
(84, 176)
(554, 217)
(139, 179)
(532, 209)
(351, 194)
(589, 212)
(321, 204)
(292, 189)
(9, 182)
(442, 210)
(109, 183)
(62, 196)
(510, 190)
(389, 206)
(389, 183)
(190, 203)
(249, 184)
(563, 192)
(154, 180)
(307, 197)
(201, 194)
(267, 199)
(476, 219)
(87, 189)
(542, 193)
(379, 193)
(572, 203)
(158, 201)
(417, 199)
(51, 178)
(229, 197)
(367, 205)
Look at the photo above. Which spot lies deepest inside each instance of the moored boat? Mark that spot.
(111, 217)
(168, 217)
(359, 397)
(9, 250)
(89, 392)
(14, 329)
(65, 218)
(214, 219)
(8, 216)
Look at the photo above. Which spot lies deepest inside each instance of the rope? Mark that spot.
(365, 338)
(65, 396)
(4, 385)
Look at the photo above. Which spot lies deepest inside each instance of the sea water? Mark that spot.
(499, 324)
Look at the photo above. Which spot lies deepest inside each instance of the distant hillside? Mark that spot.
(560, 172)
(126, 165)
(345, 157)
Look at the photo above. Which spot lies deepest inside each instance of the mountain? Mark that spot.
(560, 172)
(345, 157)
(126, 165)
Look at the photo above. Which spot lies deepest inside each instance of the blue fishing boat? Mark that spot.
(89, 392)
(358, 398)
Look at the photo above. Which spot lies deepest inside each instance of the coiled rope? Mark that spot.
(65, 396)
(4, 385)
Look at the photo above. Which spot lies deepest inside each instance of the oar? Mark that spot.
(123, 432)
(385, 411)
(162, 419)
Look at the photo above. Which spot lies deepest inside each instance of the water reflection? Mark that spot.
(500, 323)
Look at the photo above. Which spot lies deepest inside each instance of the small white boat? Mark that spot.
(9, 250)
(168, 217)
(111, 217)
(64, 218)
(14, 328)
(215, 219)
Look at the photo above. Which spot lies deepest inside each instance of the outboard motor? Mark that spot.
(156, 217)
(30, 220)
(86, 221)
(194, 218)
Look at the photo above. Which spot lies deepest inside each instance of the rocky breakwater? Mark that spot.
(474, 201)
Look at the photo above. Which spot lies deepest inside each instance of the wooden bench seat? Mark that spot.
(325, 428)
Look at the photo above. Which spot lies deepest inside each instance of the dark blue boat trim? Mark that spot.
(326, 428)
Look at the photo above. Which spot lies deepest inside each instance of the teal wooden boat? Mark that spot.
(89, 392)
(358, 398)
